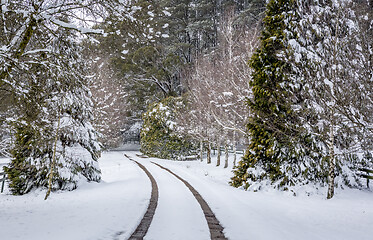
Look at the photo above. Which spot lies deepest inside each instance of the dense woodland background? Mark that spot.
(290, 82)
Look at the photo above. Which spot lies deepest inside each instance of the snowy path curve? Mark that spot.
(179, 214)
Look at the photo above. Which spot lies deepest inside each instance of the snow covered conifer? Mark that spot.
(54, 120)
(272, 125)
(311, 97)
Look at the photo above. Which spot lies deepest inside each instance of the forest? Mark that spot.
(289, 82)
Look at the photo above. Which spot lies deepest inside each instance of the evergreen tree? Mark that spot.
(179, 41)
(204, 25)
(272, 126)
(140, 58)
(310, 97)
(53, 134)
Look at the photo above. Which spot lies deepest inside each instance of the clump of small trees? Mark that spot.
(218, 87)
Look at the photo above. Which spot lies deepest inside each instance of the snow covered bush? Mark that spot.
(159, 135)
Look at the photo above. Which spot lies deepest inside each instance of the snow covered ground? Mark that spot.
(112, 209)
(108, 210)
(277, 215)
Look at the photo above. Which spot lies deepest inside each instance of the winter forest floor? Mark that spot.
(113, 208)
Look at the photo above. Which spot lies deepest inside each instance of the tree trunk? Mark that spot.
(53, 164)
(209, 152)
(331, 176)
(201, 150)
(226, 154)
(234, 149)
(219, 153)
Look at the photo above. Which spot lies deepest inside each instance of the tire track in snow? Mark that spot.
(216, 230)
(144, 225)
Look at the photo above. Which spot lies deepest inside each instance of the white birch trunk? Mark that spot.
(234, 149)
(209, 152)
(331, 175)
(201, 150)
(219, 153)
(226, 154)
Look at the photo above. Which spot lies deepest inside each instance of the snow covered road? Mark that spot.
(184, 212)
(178, 215)
(277, 215)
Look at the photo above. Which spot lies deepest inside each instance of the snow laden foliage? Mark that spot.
(274, 154)
(4, 146)
(149, 71)
(131, 70)
(5, 138)
(159, 134)
(52, 127)
(332, 44)
(109, 98)
(20, 20)
(312, 95)
(42, 76)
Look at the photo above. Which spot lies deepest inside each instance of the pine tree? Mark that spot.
(141, 58)
(204, 25)
(271, 126)
(179, 41)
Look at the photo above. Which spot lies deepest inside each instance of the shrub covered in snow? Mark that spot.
(159, 136)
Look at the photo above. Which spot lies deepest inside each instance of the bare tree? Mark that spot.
(110, 100)
(219, 85)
